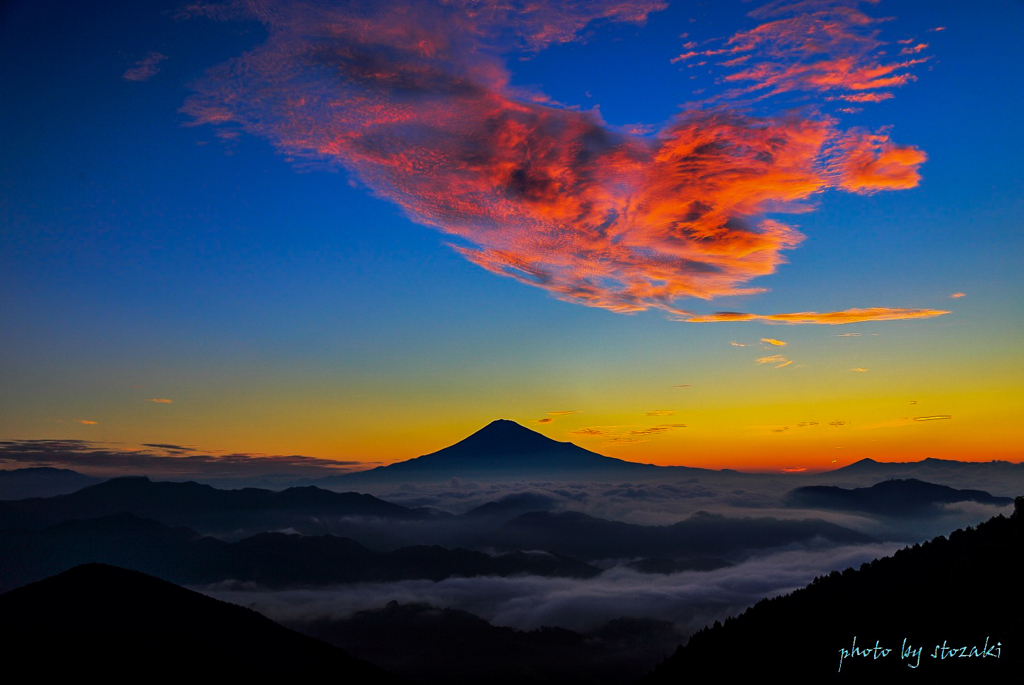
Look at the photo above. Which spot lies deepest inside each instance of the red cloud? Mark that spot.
(414, 100)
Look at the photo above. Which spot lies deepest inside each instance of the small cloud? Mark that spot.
(937, 417)
(737, 344)
(958, 295)
(914, 49)
(561, 413)
(795, 469)
(86, 422)
(661, 412)
(837, 424)
(805, 424)
(938, 28)
(859, 369)
(682, 385)
(913, 401)
(847, 335)
(780, 430)
(160, 401)
(146, 68)
(774, 359)
(783, 364)
(773, 341)
(546, 420)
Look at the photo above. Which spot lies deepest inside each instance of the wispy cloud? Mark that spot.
(936, 417)
(778, 360)
(145, 68)
(160, 401)
(958, 295)
(737, 344)
(86, 422)
(827, 318)
(593, 430)
(657, 430)
(415, 101)
(661, 412)
(859, 369)
(847, 335)
(552, 415)
(773, 341)
(824, 47)
(626, 434)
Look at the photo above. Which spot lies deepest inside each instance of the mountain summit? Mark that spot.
(505, 449)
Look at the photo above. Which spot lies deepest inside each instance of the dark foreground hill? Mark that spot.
(121, 626)
(937, 612)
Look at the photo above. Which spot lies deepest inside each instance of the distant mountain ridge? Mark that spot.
(206, 508)
(894, 497)
(42, 481)
(271, 559)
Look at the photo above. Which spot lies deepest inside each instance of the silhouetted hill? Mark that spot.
(209, 509)
(586, 537)
(42, 481)
(505, 449)
(443, 646)
(960, 592)
(272, 559)
(122, 626)
(895, 497)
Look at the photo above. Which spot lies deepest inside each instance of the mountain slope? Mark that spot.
(963, 592)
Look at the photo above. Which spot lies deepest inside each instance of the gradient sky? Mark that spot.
(720, 234)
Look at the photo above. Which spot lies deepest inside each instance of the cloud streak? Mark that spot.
(845, 316)
(164, 460)
(415, 100)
